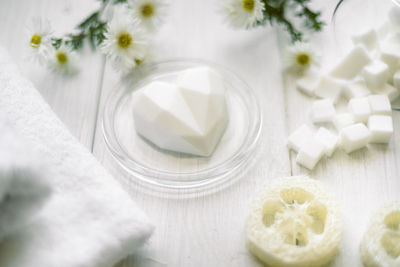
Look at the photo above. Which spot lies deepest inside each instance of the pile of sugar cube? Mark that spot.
(368, 77)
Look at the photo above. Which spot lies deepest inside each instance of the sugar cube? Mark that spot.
(356, 89)
(354, 137)
(392, 92)
(328, 139)
(393, 39)
(396, 79)
(328, 87)
(360, 109)
(307, 83)
(380, 105)
(352, 64)
(322, 111)
(390, 56)
(381, 128)
(383, 29)
(367, 38)
(310, 153)
(376, 74)
(394, 16)
(343, 120)
(299, 137)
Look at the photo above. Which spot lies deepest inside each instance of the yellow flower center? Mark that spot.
(36, 40)
(124, 40)
(248, 5)
(61, 57)
(147, 10)
(303, 59)
(138, 61)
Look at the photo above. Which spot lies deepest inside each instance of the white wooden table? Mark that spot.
(208, 231)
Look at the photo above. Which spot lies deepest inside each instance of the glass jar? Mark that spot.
(354, 17)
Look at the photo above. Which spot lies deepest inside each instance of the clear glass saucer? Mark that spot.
(173, 172)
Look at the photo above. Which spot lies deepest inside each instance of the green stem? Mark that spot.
(91, 28)
(276, 12)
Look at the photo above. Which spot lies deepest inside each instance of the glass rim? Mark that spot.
(187, 179)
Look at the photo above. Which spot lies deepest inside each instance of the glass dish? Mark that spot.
(172, 172)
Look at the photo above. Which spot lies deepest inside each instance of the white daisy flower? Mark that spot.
(39, 42)
(300, 57)
(125, 41)
(244, 13)
(63, 60)
(149, 13)
(130, 78)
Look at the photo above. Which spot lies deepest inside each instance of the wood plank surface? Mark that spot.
(209, 230)
(364, 179)
(75, 100)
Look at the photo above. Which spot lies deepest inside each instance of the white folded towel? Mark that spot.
(89, 220)
(23, 181)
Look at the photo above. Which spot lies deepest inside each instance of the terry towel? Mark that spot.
(23, 181)
(89, 220)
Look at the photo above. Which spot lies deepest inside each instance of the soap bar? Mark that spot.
(356, 89)
(368, 38)
(307, 83)
(352, 64)
(328, 87)
(381, 128)
(343, 120)
(328, 139)
(354, 137)
(360, 109)
(380, 105)
(310, 153)
(299, 137)
(376, 74)
(188, 117)
(322, 111)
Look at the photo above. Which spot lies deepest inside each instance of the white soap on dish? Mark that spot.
(376, 74)
(310, 153)
(352, 63)
(360, 109)
(368, 38)
(299, 137)
(328, 87)
(307, 83)
(356, 89)
(380, 105)
(343, 120)
(354, 137)
(390, 91)
(328, 139)
(381, 128)
(322, 111)
(189, 118)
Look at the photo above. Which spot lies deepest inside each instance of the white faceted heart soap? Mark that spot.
(189, 116)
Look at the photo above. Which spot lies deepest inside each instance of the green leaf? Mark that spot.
(56, 42)
(278, 12)
(89, 20)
